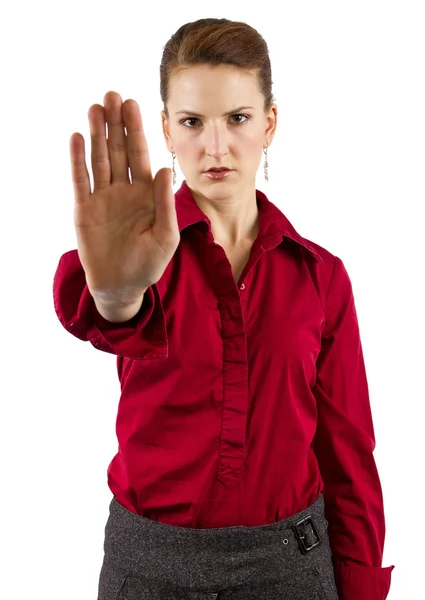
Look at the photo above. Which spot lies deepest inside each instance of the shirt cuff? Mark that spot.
(143, 336)
(363, 583)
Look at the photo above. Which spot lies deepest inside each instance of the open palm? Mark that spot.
(127, 231)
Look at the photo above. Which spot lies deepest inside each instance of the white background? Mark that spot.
(346, 167)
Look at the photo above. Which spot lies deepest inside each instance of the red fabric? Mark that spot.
(364, 583)
(241, 402)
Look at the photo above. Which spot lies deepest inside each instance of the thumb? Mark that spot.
(165, 205)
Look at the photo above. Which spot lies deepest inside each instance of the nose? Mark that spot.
(216, 142)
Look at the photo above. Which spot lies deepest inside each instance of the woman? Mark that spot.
(245, 467)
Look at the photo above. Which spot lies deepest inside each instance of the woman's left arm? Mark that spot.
(344, 443)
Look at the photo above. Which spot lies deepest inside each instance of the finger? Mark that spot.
(99, 148)
(137, 147)
(79, 171)
(117, 142)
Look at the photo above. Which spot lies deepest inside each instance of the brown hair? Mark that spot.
(216, 42)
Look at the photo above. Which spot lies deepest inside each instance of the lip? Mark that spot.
(221, 169)
(218, 176)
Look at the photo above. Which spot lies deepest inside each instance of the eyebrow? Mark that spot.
(226, 114)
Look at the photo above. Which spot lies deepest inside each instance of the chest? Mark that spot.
(238, 257)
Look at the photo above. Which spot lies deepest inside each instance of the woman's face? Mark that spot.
(235, 140)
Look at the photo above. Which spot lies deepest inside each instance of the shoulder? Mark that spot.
(330, 269)
(326, 259)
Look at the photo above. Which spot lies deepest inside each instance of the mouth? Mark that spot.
(218, 170)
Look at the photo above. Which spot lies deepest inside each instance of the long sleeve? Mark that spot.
(344, 443)
(142, 337)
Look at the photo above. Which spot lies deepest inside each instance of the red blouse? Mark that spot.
(241, 401)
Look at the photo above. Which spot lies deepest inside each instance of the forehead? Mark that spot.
(203, 83)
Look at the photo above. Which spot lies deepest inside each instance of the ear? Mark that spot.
(271, 124)
(166, 131)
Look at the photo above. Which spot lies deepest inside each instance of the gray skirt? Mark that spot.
(285, 560)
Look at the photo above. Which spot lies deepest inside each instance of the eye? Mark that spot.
(247, 117)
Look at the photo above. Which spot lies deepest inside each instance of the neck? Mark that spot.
(234, 222)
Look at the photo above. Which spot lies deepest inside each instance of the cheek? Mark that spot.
(188, 154)
(251, 143)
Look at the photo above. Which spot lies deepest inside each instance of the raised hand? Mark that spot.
(127, 231)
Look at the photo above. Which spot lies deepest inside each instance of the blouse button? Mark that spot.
(243, 286)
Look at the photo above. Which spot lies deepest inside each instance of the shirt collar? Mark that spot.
(272, 222)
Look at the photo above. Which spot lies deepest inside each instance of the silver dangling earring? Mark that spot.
(174, 171)
(266, 165)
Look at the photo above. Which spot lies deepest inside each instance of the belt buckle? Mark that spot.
(301, 538)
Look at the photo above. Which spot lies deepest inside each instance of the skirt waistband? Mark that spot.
(162, 534)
